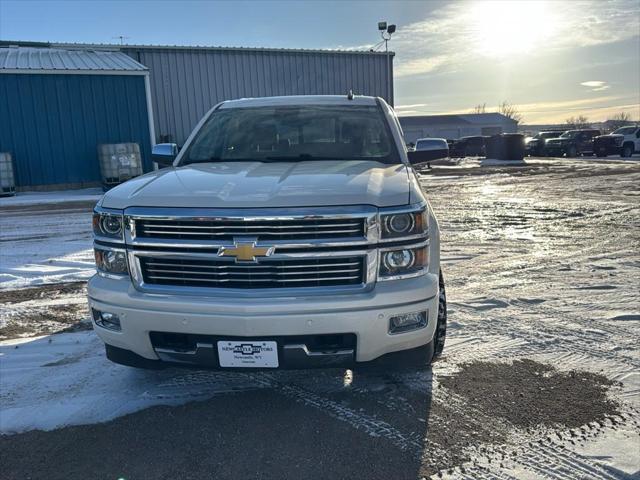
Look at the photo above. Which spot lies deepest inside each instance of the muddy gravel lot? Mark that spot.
(52, 308)
(540, 377)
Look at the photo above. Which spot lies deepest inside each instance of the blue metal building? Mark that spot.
(57, 105)
(186, 81)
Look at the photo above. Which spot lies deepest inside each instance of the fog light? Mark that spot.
(107, 320)
(408, 321)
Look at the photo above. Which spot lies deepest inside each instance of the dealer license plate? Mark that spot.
(257, 354)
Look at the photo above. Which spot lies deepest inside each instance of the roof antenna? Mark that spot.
(350, 95)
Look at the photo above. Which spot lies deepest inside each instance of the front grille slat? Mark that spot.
(249, 274)
(267, 273)
(297, 229)
(148, 225)
(207, 280)
(157, 233)
(251, 266)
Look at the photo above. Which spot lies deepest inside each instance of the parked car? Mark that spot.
(434, 148)
(473, 146)
(289, 232)
(572, 143)
(625, 141)
(534, 146)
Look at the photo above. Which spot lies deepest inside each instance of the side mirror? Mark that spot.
(424, 156)
(164, 154)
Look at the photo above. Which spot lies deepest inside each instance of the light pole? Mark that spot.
(385, 33)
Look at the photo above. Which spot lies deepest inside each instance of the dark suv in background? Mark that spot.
(535, 146)
(572, 143)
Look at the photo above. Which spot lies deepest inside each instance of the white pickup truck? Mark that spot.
(625, 141)
(288, 232)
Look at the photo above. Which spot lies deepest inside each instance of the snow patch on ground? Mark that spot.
(619, 450)
(37, 249)
(65, 379)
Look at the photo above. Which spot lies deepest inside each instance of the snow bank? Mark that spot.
(49, 248)
(40, 198)
(65, 379)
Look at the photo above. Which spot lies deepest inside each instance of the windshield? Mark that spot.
(545, 135)
(309, 132)
(570, 134)
(432, 144)
(625, 131)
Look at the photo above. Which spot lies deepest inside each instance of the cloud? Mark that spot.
(596, 85)
(595, 108)
(412, 106)
(420, 65)
(568, 105)
(453, 34)
(593, 83)
(594, 114)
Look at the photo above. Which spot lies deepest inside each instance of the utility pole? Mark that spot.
(385, 33)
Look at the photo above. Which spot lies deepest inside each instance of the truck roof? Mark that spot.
(299, 100)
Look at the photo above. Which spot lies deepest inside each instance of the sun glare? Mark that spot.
(504, 28)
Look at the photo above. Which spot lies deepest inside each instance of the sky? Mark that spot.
(552, 59)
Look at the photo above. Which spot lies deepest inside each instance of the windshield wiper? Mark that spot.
(307, 156)
(274, 158)
(218, 159)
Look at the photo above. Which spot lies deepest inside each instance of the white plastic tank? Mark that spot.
(119, 162)
(7, 176)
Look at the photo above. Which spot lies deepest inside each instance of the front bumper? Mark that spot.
(365, 315)
(555, 150)
(607, 149)
(533, 149)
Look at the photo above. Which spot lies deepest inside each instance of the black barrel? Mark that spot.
(513, 146)
(495, 147)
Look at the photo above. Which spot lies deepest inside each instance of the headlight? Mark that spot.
(108, 225)
(404, 224)
(111, 261)
(403, 262)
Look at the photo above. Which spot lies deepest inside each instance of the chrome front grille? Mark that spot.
(226, 229)
(267, 273)
(210, 251)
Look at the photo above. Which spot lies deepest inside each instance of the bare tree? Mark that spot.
(480, 108)
(510, 111)
(578, 122)
(619, 120)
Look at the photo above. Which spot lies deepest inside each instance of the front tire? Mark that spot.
(627, 150)
(572, 151)
(441, 327)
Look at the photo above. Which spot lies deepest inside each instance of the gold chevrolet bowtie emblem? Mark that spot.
(245, 251)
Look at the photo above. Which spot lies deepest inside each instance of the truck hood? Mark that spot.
(258, 184)
(611, 135)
